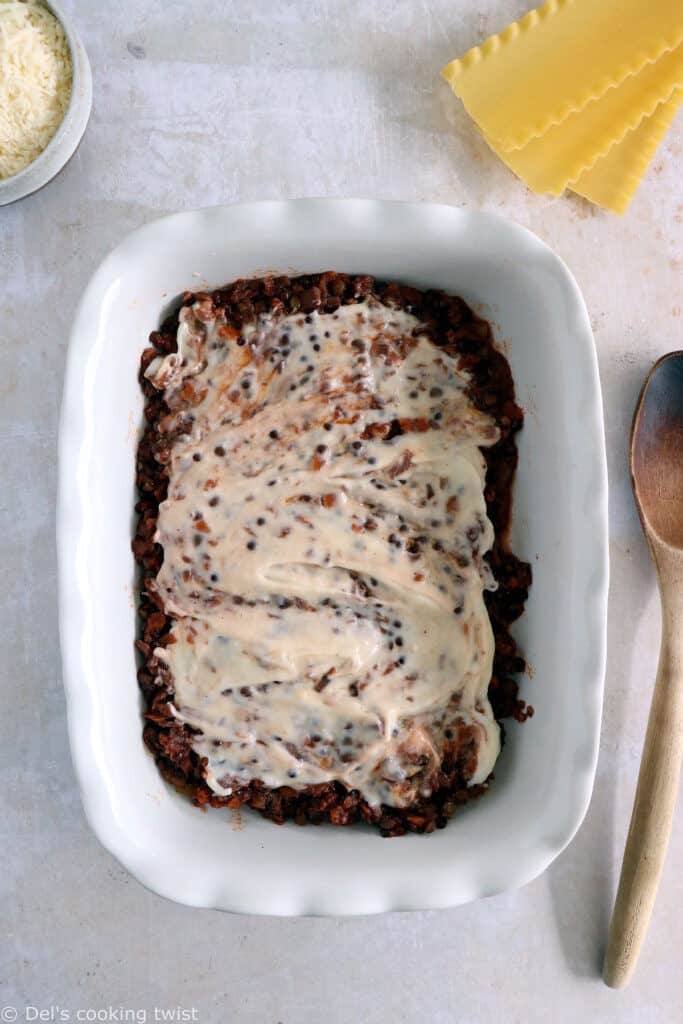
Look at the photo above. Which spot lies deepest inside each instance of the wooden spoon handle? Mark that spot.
(655, 801)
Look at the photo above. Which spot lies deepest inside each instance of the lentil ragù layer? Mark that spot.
(450, 324)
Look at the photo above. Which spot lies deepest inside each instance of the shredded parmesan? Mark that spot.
(35, 82)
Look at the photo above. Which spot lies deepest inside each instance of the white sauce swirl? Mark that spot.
(327, 583)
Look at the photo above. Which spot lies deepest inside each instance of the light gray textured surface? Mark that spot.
(248, 102)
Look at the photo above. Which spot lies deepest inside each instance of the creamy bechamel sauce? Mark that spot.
(326, 582)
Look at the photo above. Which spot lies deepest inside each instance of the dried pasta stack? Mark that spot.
(578, 94)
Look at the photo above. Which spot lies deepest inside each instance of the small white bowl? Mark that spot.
(63, 143)
(545, 774)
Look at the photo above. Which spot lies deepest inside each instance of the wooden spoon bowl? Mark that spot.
(657, 476)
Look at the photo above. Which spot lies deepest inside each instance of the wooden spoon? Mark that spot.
(657, 475)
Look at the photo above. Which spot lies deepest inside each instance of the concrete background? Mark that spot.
(197, 104)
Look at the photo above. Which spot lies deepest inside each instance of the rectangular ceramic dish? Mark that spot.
(545, 774)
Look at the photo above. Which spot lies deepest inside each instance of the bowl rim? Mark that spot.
(80, 699)
(71, 128)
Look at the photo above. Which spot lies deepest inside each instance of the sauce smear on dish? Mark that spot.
(323, 538)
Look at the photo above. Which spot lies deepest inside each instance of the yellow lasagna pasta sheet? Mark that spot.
(557, 60)
(614, 178)
(552, 161)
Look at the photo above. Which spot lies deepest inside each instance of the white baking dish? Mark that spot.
(545, 775)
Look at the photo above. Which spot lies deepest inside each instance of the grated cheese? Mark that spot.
(35, 82)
